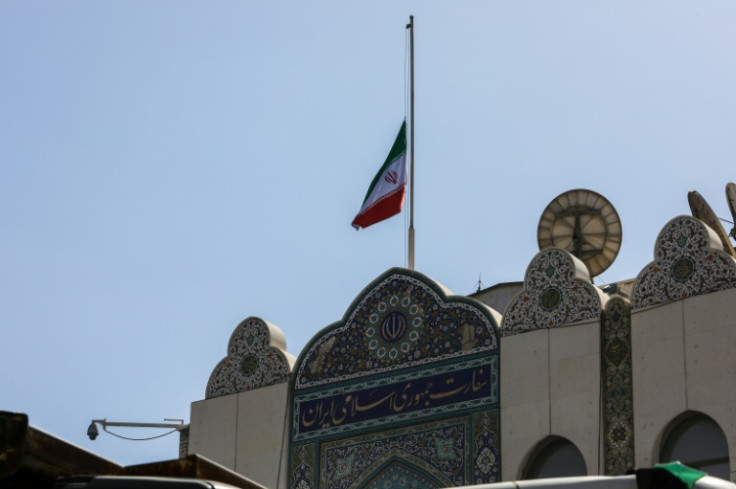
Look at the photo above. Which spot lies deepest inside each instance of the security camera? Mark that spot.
(92, 431)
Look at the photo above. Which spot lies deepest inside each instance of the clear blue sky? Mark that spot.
(169, 168)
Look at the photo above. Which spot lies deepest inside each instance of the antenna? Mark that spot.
(480, 284)
(731, 199)
(701, 210)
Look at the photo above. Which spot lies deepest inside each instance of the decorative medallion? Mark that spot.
(551, 298)
(393, 327)
(557, 290)
(688, 261)
(616, 350)
(584, 223)
(249, 365)
(256, 358)
(683, 269)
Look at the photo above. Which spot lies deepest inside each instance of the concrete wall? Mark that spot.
(684, 359)
(244, 432)
(550, 385)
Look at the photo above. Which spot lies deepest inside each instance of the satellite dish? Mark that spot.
(584, 223)
(701, 210)
(731, 198)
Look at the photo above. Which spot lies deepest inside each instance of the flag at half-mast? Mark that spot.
(385, 196)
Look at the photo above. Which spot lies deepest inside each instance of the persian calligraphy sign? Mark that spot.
(413, 396)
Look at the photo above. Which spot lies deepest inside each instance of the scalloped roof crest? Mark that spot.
(402, 319)
(688, 260)
(256, 357)
(557, 291)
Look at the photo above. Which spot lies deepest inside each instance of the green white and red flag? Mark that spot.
(385, 197)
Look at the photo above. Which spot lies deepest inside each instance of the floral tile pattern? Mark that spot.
(256, 357)
(688, 260)
(403, 320)
(618, 397)
(438, 449)
(486, 427)
(302, 467)
(557, 291)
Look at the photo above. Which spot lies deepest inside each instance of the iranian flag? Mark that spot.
(385, 196)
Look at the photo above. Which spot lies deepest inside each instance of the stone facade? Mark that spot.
(416, 387)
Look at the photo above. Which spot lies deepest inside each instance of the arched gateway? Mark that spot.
(402, 392)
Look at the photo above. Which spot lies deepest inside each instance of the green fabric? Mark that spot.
(397, 150)
(686, 474)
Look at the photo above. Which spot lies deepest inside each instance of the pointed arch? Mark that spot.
(401, 473)
(554, 456)
(698, 441)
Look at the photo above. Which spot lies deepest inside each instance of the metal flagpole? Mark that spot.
(410, 26)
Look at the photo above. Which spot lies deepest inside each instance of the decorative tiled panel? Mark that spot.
(398, 475)
(557, 291)
(302, 469)
(401, 320)
(403, 392)
(438, 449)
(618, 400)
(688, 260)
(486, 446)
(255, 358)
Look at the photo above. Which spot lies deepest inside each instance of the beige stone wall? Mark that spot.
(550, 385)
(658, 367)
(684, 359)
(525, 398)
(244, 432)
(213, 429)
